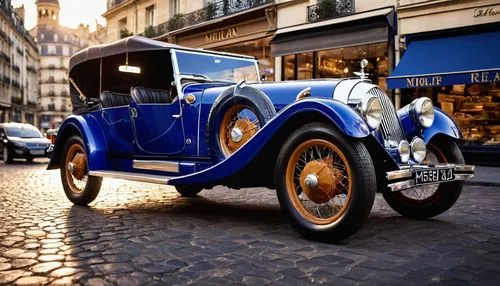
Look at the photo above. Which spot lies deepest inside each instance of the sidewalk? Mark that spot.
(486, 176)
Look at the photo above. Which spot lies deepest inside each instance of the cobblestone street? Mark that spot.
(143, 234)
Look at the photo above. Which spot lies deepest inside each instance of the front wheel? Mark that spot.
(427, 201)
(5, 156)
(188, 191)
(325, 183)
(80, 188)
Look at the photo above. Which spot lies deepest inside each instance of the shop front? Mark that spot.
(248, 33)
(334, 48)
(459, 69)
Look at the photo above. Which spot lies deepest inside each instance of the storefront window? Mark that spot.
(260, 49)
(305, 66)
(337, 63)
(475, 107)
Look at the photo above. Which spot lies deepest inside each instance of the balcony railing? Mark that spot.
(328, 9)
(31, 69)
(6, 79)
(15, 83)
(212, 11)
(113, 3)
(16, 69)
(4, 57)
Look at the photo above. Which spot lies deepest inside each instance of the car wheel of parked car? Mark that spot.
(188, 191)
(427, 201)
(236, 119)
(325, 183)
(29, 160)
(80, 188)
(5, 156)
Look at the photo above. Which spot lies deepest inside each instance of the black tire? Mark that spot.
(253, 99)
(188, 191)
(362, 189)
(5, 155)
(29, 160)
(93, 184)
(441, 200)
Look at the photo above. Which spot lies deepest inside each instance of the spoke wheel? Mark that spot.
(76, 168)
(431, 200)
(80, 188)
(318, 180)
(325, 182)
(239, 124)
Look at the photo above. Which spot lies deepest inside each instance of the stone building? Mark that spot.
(56, 45)
(19, 60)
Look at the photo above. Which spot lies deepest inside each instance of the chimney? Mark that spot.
(20, 12)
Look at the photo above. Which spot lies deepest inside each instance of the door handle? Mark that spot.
(133, 112)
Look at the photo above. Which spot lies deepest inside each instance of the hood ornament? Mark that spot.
(361, 73)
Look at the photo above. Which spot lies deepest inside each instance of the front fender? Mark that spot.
(340, 115)
(443, 125)
(89, 129)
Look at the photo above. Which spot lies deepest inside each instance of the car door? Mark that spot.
(158, 127)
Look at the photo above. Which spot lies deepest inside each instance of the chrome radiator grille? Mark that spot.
(390, 125)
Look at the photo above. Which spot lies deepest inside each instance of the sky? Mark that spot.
(72, 13)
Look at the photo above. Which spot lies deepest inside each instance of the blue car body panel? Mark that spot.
(443, 124)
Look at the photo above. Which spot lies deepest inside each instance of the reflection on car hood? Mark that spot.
(41, 140)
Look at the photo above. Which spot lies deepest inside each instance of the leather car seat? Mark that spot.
(114, 99)
(147, 95)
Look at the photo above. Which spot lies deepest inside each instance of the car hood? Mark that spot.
(281, 93)
(29, 140)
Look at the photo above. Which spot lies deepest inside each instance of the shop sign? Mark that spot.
(221, 35)
(486, 11)
(451, 79)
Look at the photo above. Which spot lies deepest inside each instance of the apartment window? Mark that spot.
(65, 51)
(66, 38)
(51, 49)
(56, 38)
(42, 36)
(174, 7)
(122, 28)
(150, 15)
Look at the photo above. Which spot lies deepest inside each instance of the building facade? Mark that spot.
(56, 45)
(449, 54)
(19, 60)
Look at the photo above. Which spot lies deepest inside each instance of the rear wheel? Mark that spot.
(80, 188)
(431, 200)
(188, 191)
(325, 183)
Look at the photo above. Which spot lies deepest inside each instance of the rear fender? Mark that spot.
(87, 127)
(340, 115)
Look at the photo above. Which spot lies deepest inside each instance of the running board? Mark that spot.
(156, 179)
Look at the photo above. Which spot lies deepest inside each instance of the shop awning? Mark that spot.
(465, 59)
(358, 29)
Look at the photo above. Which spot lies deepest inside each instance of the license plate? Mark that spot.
(37, 152)
(434, 176)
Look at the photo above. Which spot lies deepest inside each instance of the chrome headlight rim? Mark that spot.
(404, 151)
(423, 111)
(368, 107)
(418, 149)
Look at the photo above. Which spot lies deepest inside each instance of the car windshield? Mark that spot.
(217, 67)
(23, 132)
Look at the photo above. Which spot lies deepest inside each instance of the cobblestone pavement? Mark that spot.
(140, 234)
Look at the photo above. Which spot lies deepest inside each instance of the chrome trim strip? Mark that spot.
(465, 168)
(155, 179)
(399, 174)
(165, 166)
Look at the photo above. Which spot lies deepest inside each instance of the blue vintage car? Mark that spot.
(155, 112)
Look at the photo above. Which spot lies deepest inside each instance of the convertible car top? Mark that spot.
(150, 111)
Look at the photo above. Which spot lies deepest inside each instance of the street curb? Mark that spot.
(482, 183)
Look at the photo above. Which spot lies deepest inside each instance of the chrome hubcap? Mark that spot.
(236, 134)
(71, 167)
(311, 181)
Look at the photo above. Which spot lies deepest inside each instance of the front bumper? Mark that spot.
(404, 178)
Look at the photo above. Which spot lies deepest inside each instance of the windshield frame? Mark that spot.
(178, 75)
(8, 129)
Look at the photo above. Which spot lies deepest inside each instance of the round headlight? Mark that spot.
(423, 111)
(418, 149)
(404, 151)
(371, 109)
